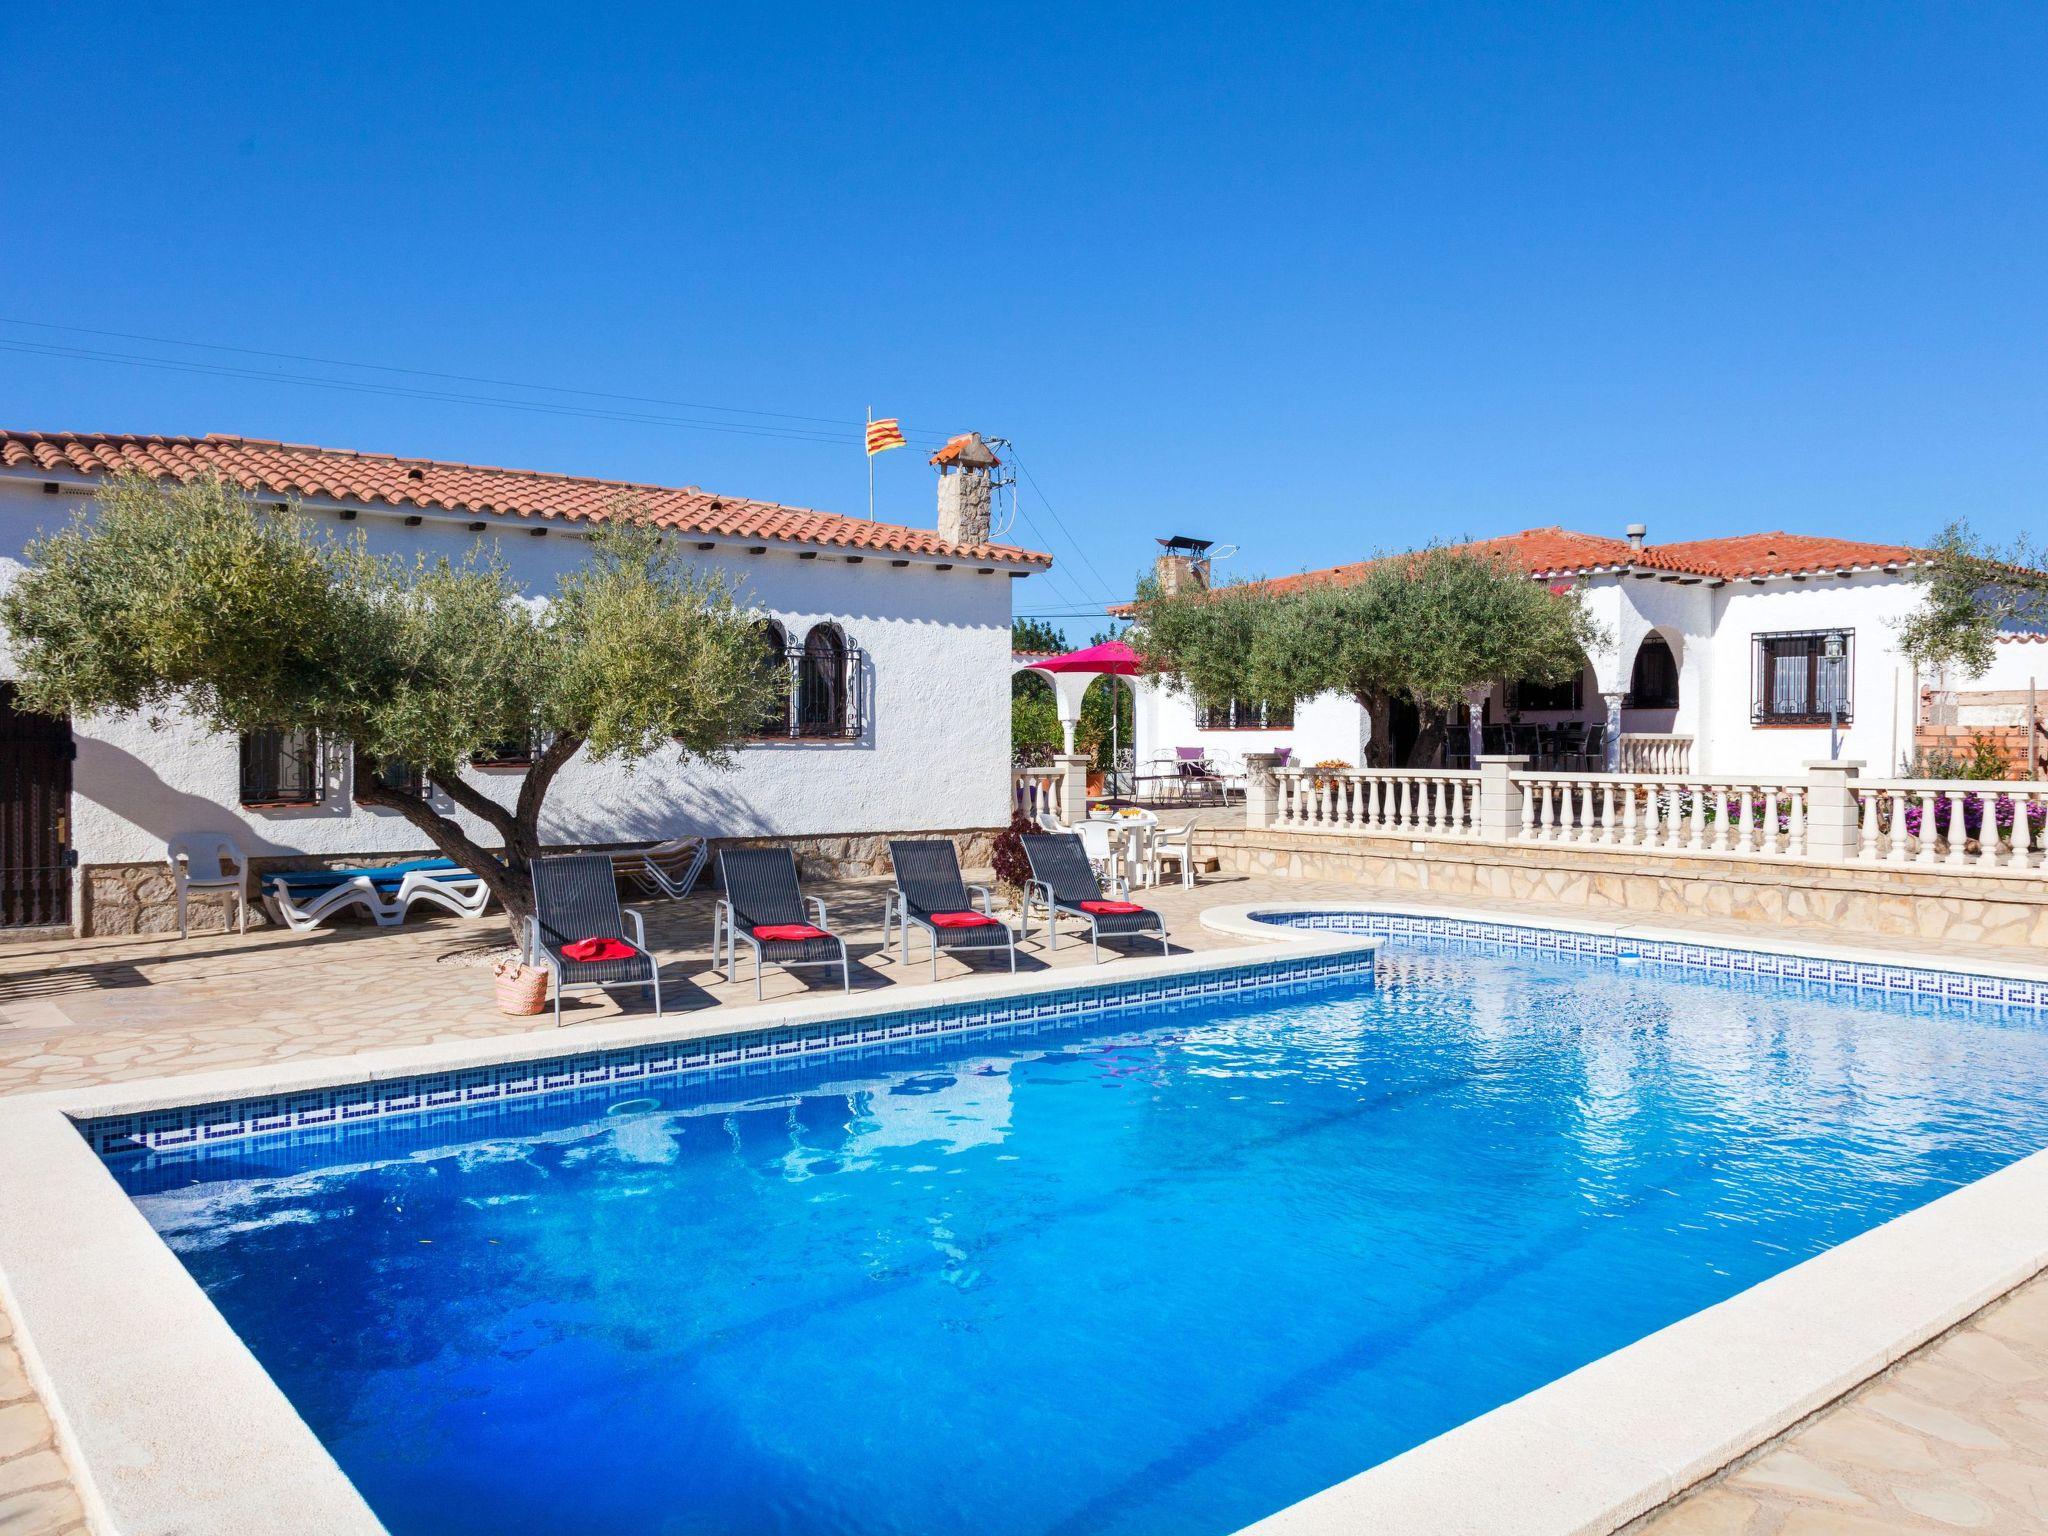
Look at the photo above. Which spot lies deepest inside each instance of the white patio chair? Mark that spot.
(1173, 845)
(1101, 849)
(199, 862)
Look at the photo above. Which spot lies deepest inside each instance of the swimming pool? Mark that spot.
(1166, 1269)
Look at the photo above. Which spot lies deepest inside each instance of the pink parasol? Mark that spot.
(1112, 657)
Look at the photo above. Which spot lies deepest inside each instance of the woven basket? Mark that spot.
(522, 990)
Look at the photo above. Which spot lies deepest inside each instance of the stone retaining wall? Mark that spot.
(128, 899)
(1861, 903)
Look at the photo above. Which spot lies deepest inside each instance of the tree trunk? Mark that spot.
(506, 872)
(1379, 714)
(1429, 741)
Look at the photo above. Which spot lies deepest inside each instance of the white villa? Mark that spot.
(1719, 664)
(896, 640)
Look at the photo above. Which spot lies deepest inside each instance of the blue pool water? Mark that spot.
(1166, 1271)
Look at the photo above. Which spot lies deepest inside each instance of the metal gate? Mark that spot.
(35, 817)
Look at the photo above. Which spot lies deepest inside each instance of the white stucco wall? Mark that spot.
(1870, 606)
(933, 753)
(1329, 728)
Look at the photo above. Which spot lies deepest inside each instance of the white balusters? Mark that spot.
(1903, 823)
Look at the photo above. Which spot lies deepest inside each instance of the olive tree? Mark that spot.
(190, 597)
(1970, 591)
(1425, 626)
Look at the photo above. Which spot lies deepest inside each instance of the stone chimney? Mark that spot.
(1635, 532)
(966, 468)
(1182, 566)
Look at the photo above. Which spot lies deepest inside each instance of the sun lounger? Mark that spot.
(305, 898)
(1065, 881)
(930, 894)
(576, 903)
(765, 909)
(667, 870)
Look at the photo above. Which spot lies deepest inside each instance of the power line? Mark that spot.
(459, 378)
(404, 392)
(829, 432)
(1109, 594)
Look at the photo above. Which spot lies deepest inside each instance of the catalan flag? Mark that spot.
(884, 435)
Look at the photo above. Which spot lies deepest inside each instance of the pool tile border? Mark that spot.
(1716, 959)
(751, 1050)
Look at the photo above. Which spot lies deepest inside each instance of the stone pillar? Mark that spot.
(1498, 816)
(1831, 830)
(1612, 763)
(1475, 704)
(1261, 789)
(1073, 767)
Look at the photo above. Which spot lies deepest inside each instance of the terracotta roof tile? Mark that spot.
(382, 479)
(1562, 552)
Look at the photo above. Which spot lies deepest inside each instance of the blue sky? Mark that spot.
(1311, 282)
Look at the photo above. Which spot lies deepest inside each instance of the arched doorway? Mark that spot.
(1109, 730)
(1035, 734)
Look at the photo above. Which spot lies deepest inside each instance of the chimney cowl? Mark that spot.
(1636, 533)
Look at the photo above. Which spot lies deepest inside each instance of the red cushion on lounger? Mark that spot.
(1111, 908)
(961, 920)
(591, 951)
(789, 933)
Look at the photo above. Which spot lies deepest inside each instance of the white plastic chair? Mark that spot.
(1097, 843)
(199, 862)
(1176, 844)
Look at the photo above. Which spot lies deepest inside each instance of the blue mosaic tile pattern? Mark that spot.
(1714, 959)
(449, 1094)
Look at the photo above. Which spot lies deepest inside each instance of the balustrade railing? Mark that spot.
(1827, 814)
(1412, 801)
(1943, 824)
(1651, 752)
(1730, 816)
(1035, 791)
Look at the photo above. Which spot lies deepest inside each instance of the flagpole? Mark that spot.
(871, 466)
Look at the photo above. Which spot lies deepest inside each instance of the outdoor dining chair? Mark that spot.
(932, 894)
(199, 862)
(765, 909)
(1176, 846)
(1064, 880)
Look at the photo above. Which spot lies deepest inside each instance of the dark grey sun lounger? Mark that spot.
(928, 885)
(575, 897)
(761, 891)
(1063, 879)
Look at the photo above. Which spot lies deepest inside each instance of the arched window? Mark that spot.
(774, 663)
(821, 684)
(1654, 682)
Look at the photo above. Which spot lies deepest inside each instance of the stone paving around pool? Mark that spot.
(1955, 1438)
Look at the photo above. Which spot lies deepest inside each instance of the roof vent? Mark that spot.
(415, 473)
(1635, 532)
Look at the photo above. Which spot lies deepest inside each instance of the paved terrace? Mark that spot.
(1953, 1438)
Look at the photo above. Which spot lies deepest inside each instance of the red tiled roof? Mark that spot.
(1562, 552)
(382, 479)
(1780, 554)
